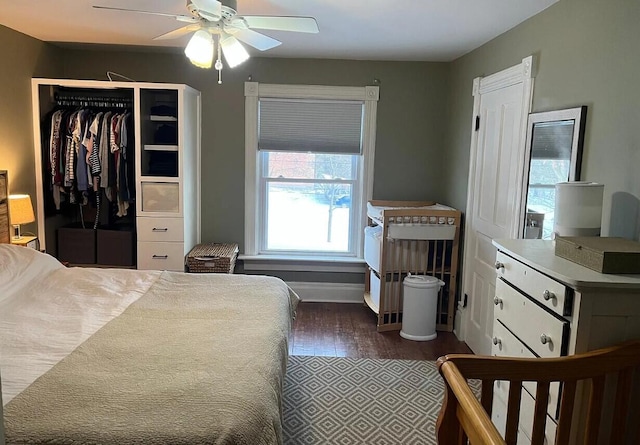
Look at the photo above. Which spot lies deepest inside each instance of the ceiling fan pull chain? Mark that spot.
(218, 64)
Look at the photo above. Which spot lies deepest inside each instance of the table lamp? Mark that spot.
(20, 212)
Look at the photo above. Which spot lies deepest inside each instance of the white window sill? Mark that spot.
(303, 263)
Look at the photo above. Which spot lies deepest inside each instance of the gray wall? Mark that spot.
(412, 118)
(21, 58)
(589, 54)
(411, 122)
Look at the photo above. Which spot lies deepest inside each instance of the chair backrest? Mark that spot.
(464, 417)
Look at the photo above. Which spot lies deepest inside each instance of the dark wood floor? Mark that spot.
(349, 330)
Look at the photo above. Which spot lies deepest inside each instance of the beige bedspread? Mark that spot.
(197, 359)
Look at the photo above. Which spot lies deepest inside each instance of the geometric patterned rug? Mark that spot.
(354, 401)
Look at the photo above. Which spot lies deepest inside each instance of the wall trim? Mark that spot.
(328, 292)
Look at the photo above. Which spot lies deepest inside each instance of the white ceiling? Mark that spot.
(419, 30)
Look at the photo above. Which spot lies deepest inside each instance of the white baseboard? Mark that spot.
(329, 292)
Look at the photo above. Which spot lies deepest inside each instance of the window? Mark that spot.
(309, 168)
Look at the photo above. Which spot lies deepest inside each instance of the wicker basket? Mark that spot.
(212, 258)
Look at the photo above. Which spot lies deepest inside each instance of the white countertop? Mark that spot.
(540, 255)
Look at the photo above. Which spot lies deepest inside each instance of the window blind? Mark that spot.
(552, 140)
(321, 126)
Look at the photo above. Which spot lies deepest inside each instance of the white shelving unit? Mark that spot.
(166, 162)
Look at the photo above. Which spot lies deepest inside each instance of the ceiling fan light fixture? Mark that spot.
(199, 50)
(233, 51)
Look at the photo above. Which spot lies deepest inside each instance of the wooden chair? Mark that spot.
(463, 416)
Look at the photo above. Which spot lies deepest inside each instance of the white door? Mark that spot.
(501, 105)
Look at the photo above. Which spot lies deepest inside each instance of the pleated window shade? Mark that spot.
(320, 126)
(552, 140)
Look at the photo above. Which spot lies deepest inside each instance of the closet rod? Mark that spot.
(92, 101)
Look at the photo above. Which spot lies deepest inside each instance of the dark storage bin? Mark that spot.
(115, 247)
(77, 245)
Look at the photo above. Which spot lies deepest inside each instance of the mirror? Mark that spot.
(553, 154)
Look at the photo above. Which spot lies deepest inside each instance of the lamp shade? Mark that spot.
(578, 208)
(199, 50)
(233, 50)
(20, 209)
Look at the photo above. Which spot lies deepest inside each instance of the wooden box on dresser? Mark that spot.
(546, 306)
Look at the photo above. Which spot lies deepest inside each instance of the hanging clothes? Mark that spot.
(90, 151)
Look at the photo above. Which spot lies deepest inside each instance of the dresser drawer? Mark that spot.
(507, 345)
(161, 256)
(540, 330)
(527, 409)
(160, 229)
(499, 419)
(547, 291)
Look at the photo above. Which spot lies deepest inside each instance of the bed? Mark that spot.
(118, 356)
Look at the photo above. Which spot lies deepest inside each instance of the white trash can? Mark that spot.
(420, 306)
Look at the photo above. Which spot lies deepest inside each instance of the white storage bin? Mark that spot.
(160, 197)
(373, 246)
(375, 287)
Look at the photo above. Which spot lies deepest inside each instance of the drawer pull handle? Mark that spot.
(497, 341)
(548, 295)
(499, 265)
(163, 229)
(497, 301)
(544, 339)
(160, 257)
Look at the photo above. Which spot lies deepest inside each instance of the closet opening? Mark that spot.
(87, 154)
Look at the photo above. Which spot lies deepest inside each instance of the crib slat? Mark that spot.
(623, 398)
(566, 412)
(486, 397)
(513, 412)
(540, 413)
(595, 409)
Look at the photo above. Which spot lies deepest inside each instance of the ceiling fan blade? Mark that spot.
(282, 23)
(181, 18)
(209, 9)
(178, 32)
(255, 39)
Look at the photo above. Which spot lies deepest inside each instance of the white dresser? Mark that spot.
(546, 306)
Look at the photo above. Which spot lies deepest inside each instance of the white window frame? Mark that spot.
(253, 92)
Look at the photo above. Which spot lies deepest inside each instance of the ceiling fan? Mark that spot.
(219, 18)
